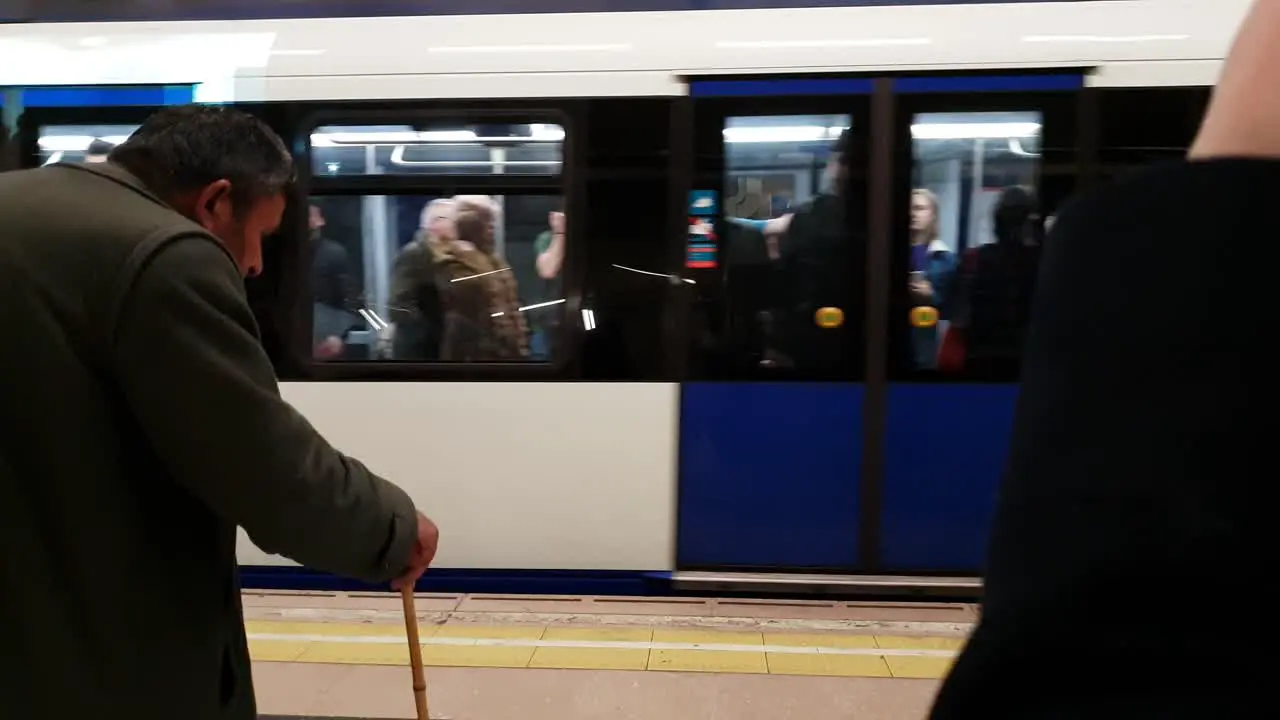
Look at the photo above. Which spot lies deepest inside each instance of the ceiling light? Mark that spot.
(1102, 38)
(848, 43)
(974, 131)
(460, 49)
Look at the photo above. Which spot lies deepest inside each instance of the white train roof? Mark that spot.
(1131, 42)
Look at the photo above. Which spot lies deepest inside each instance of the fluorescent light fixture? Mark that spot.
(779, 134)
(546, 133)
(1103, 38)
(538, 133)
(846, 43)
(588, 319)
(397, 158)
(75, 143)
(476, 49)
(975, 131)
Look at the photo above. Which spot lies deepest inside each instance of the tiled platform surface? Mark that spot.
(354, 691)
(623, 634)
(693, 612)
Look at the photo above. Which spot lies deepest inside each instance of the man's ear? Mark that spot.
(213, 204)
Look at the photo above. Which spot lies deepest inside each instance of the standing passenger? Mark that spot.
(142, 422)
(331, 294)
(415, 299)
(550, 249)
(483, 321)
(933, 267)
(819, 266)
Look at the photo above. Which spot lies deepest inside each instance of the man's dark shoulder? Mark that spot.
(1169, 203)
(1169, 242)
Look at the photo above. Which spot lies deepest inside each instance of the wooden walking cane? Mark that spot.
(415, 651)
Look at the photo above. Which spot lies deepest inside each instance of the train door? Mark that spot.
(980, 163)
(771, 410)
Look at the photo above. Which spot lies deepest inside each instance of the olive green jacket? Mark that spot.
(140, 423)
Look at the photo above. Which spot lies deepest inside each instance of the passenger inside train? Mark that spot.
(933, 269)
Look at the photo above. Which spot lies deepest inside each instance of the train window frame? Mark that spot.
(560, 185)
(1061, 131)
(709, 117)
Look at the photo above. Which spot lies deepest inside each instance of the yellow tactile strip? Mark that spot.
(608, 648)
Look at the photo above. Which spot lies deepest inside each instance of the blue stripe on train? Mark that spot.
(108, 96)
(80, 11)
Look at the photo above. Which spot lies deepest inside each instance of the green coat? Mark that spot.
(141, 423)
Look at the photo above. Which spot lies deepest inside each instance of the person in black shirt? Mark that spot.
(330, 288)
(1130, 523)
(816, 270)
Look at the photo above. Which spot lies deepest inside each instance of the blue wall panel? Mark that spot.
(945, 452)
(769, 474)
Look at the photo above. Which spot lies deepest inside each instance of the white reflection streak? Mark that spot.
(478, 275)
(372, 319)
(669, 276)
(535, 306)
(588, 319)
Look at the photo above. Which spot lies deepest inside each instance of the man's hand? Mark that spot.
(424, 551)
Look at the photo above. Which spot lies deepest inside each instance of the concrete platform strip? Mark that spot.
(602, 644)
(573, 619)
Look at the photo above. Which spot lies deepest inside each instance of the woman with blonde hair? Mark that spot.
(933, 266)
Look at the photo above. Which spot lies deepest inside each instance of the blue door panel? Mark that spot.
(769, 474)
(945, 452)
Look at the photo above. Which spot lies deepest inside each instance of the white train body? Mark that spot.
(581, 475)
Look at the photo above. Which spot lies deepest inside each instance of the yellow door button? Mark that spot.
(829, 317)
(924, 317)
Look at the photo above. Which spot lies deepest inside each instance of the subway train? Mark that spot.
(751, 248)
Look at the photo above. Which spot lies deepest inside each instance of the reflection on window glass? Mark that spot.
(80, 143)
(488, 149)
(975, 240)
(786, 247)
(436, 279)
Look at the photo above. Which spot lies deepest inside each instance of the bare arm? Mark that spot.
(1243, 120)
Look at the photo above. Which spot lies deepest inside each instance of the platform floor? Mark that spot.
(495, 657)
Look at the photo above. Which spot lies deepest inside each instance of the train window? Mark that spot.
(481, 149)
(426, 278)
(787, 255)
(80, 143)
(974, 240)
